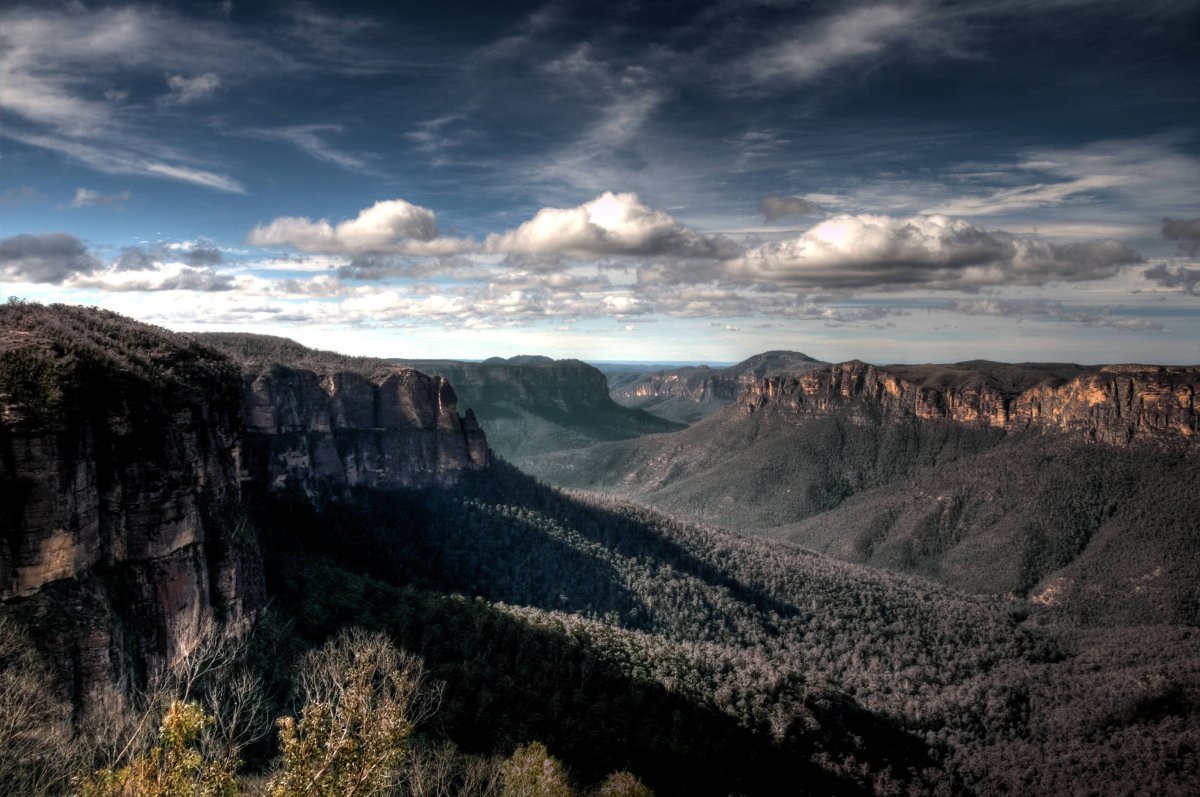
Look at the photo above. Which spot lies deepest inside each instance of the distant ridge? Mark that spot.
(530, 405)
(691, 393)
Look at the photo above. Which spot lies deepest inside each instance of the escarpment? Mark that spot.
(321, 422)
(124, 450)
(1115, 404)
(118, 490)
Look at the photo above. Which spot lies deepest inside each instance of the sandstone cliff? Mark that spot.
(1113, 404)
(118, 489)
(123, 452)
(320, 421)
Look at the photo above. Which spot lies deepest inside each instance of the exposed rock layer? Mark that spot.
(122, 452)
(118, 487)
(1114, 404)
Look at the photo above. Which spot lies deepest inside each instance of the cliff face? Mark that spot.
(1113, 404)
(123, 449)
(118, 489)
(329, 429)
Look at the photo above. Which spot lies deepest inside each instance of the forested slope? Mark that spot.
(702, 660)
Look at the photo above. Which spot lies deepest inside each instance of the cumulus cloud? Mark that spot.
(773, 208)
(867, 251)
(390, 226)
(1186, 232)
(1182, 277)
(609, 225)
(186, 90)
(48, 258)
(86, 197)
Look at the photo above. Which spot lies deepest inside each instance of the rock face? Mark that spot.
(1113, 404)
(123, 452)
(329, 429)
(118, 489)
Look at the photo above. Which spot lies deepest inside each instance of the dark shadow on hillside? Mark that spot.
(624, 532)
(510, 681)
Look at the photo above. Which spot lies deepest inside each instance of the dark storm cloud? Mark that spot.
(48, 258)
(1185, 232)
(773, 208)
(1187, 279)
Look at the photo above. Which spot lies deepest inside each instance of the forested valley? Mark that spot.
(989, 611)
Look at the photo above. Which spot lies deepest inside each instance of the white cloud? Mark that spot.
(865, 251)
(86, 197)
(1151, 175)
(164, 277)
(848, 36)
(309, 140)
(60, 65)
(609, 225)
(388, 226)
(185, 90)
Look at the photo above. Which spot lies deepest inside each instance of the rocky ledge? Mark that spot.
(1115, 404)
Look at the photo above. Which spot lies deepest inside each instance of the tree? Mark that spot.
(174, 767)
(532, 772)
(623, 784)
(362, 698)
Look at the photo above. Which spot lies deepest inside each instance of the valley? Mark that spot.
(975, 578)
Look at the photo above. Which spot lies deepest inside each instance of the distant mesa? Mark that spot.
(531, 405)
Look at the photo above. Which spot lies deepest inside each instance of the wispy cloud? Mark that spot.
(86, 197)
(186, 90)
(310, 139)
(852, 35)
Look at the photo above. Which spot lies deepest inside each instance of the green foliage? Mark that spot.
(174, 767)
(354, 726)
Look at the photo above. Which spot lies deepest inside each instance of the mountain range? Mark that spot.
(851, 579)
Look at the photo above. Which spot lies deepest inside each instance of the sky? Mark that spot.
(893, 181)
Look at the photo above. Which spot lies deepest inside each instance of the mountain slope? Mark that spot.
(837, 678)
(532, 405)
(989, 477)
(692, 393)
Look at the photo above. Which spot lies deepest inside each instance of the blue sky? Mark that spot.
(893, 181)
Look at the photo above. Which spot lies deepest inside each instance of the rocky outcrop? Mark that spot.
(1112, 404)
(332, 429)
(123, 453)
(118, 489)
